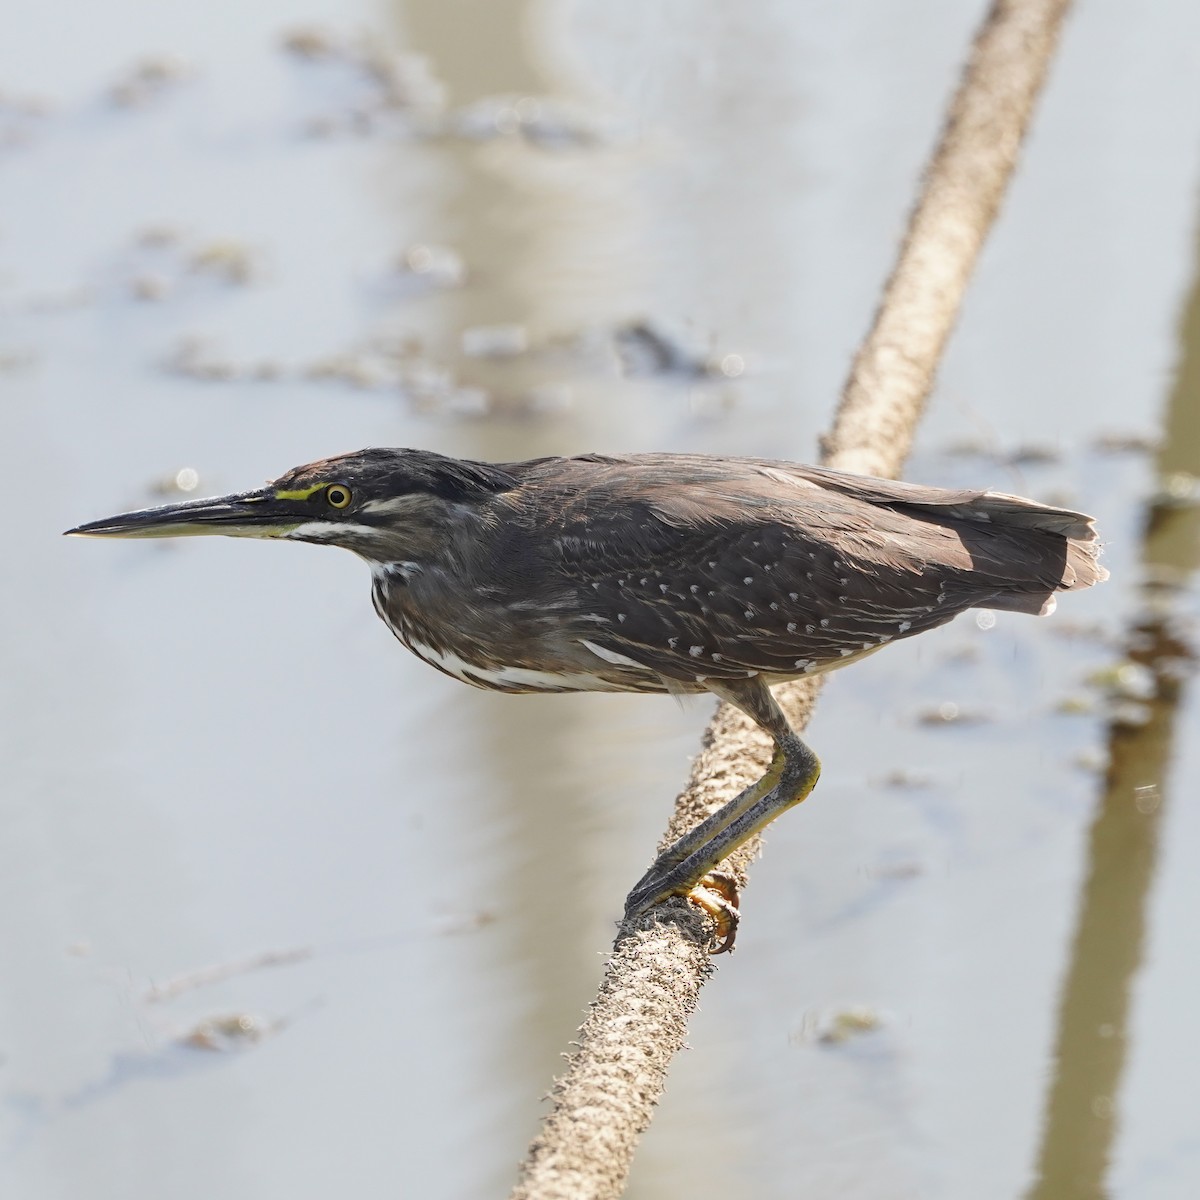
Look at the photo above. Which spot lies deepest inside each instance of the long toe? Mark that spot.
(717, 895)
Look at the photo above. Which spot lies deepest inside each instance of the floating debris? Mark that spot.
(464, 402)
(1127, 680)
(151, 286)
(646, 349)
(21, 117)
(1076, 706)
(358, 369)
(432, 265)
(158, 236)
(494, 341)
(396, 364)
(543, 121)
(178, 984)
(904, 777)
(149, 79)
(1034, 454)
(384, 83)
(1093, 761)
(1125, 443)
(230, 260)
(234, 1031)
(1027, 454)
(841, 1025)
(970, 447)
(164, 262)
(1082, 631)
(313, 41)
(467, 922)
(405, 80)
(13, 361)
(197, 358)
(1130, 714)
(898, 870)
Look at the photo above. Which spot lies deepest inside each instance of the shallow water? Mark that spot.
(213, 751)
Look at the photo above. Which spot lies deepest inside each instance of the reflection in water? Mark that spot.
(1082, 1109)
(540, 230)
(522, 220)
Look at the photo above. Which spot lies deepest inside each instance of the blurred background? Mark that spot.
(285, 912)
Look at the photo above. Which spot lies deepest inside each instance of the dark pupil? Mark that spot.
(337, 496)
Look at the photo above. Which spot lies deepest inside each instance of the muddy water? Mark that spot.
(967, 967)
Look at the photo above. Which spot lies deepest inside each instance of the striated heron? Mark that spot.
(674, 573)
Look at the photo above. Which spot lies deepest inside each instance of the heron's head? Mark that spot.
(384, 504)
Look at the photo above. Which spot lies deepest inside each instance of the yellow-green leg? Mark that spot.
(700, 835)
(687, 867)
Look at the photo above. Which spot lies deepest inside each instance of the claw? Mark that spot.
(716, 893)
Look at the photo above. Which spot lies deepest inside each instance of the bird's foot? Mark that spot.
(716, 893)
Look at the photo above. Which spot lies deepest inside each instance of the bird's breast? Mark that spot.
(487, 649)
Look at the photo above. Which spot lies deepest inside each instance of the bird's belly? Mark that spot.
(456, 655)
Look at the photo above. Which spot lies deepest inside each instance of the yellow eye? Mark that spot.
(338, 495)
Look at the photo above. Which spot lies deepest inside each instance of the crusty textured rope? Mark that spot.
(615, 1075)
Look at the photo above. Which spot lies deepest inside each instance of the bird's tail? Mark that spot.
(1076, 570)
(1018, 542)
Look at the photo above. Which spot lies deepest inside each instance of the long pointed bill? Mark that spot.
(247, 514)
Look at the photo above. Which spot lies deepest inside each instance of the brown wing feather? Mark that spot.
(716, 567)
